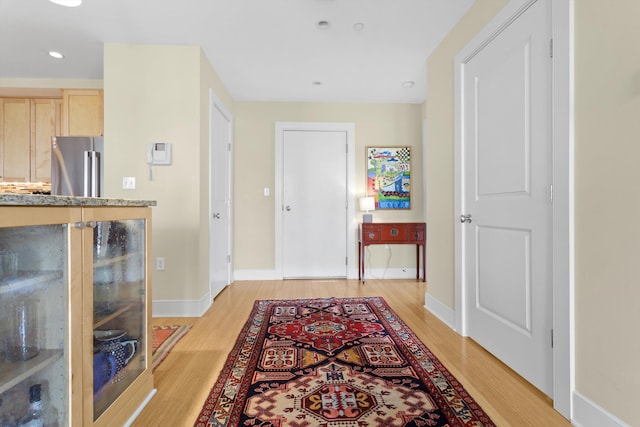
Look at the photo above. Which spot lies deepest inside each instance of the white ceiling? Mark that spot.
(261, 49)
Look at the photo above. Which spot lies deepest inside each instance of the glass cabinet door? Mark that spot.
(119, 321)
(34, 325)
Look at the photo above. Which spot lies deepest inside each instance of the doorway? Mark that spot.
(314, 212)
(506, 125)
(559, 47)
(220, 219)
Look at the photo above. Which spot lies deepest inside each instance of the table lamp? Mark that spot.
(367, 204)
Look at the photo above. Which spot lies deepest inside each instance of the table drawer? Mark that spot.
(416, 232)
(393, 232)
(390, 233)
(370, 232)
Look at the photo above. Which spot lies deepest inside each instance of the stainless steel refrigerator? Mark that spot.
(76, 166)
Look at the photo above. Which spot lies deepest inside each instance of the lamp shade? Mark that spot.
(367, 204)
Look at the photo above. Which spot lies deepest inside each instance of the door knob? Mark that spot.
(288, 208)
(465, 218)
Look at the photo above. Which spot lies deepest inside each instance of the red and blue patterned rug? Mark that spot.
(334, 362)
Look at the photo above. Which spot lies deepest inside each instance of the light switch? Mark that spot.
(129, 182)
(266, 191)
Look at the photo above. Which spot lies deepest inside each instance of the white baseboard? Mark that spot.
(352, 273)
(586, 413)
(440, 310)
(181, 308)
(390, 273)
(255, 275)
(140, 408)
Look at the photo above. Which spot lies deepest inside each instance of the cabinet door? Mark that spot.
(45, 124)
(40, 314)
(14, 139)
(118, 313)
(83, 112)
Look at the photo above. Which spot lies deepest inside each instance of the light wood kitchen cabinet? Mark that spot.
(85, 268)
(26, 128)
(83, 112)
(45, 124)
(15, 136)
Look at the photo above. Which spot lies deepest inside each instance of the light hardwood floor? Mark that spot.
(186, 376)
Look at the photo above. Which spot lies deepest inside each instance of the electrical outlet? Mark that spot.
(160, 264)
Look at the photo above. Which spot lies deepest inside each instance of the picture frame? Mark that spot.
(389, 176)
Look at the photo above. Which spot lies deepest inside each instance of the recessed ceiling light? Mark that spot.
(68, 3)
(55, 54)
(358, 26)
(317, 83)
(408, 83)
(323, 25)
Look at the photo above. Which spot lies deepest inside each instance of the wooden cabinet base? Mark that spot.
(130, 402)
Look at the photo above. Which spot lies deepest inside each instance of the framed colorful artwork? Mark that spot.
(389, 176)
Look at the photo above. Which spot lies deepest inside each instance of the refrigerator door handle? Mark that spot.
(92, 174)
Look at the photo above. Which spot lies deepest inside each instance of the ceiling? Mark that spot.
(263, 50)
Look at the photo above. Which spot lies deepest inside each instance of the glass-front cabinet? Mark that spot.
(37, 291)
(74, 315)
(120, 363)
(119, 321)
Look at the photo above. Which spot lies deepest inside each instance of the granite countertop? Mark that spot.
(8, 199)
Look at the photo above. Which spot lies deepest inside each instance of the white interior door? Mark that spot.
(314, 197)
(507, 240)
(220, 220)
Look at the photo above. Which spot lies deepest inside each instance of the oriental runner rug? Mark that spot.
(164, 338)
(334, 362)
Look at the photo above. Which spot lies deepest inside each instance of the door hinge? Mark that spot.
(346, 148)
(229, 258)
(229, 147)
(552, 338)
(550, 48)
(346, 260)
(551, 193)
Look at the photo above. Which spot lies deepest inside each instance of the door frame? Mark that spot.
(216, 103)
(562, 25)
(349, 128)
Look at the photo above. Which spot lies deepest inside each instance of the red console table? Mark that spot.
(393, 233)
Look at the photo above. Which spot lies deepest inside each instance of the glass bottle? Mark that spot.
(35, 414)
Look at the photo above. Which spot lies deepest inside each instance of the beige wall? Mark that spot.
(607, 125)
(375, 124)
(607, 241)
(160, 94)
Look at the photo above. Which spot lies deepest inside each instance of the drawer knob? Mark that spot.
(371, 235)
(394, 232)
